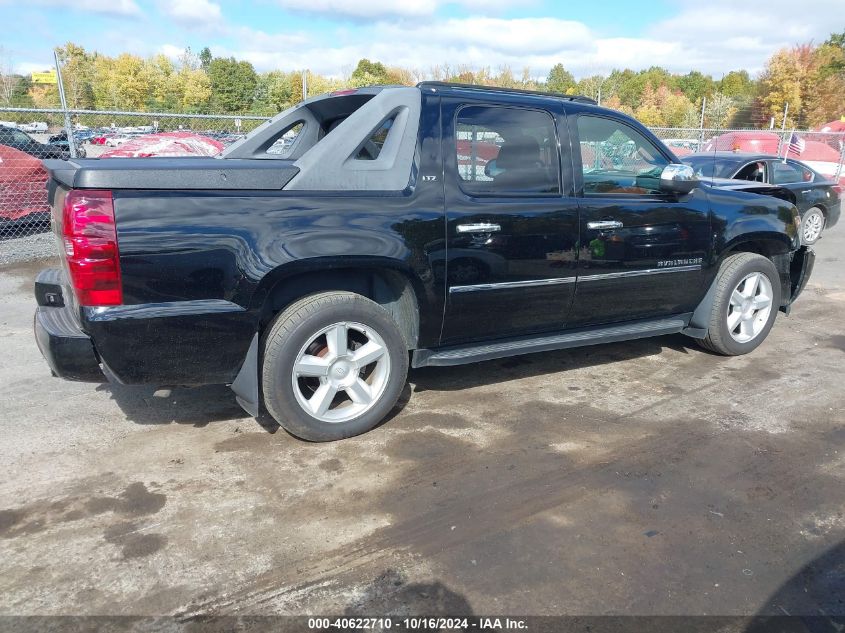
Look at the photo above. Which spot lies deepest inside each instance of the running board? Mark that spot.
(459, 355)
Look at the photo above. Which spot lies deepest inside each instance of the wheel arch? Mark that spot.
(773, 246)
(385, 281)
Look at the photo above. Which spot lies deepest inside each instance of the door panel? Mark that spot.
(509, 255)
(641, 250)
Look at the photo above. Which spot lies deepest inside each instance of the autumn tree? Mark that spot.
(77, 75)
(825, 96)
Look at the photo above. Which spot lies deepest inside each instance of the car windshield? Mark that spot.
(711, 166)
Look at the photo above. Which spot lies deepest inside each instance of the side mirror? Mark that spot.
(678, 178)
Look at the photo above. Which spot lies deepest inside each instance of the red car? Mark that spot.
(23, 192)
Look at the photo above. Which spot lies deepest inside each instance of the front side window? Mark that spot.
(755, 171)
(507, 151)
(617, 159)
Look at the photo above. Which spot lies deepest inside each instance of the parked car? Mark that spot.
(166, 144)
(819, 200)
(13, 137)
(23, 192)
(309, 282)
(60, 140)
(37, 127)
(117, 140)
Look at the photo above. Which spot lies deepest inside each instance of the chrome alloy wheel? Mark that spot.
(813, 225)
(341, 372)
(750, 307)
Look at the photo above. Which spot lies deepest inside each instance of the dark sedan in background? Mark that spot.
(20, 140)
(817, 198)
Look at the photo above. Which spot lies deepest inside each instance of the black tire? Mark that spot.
(731, 273)
(293, 328)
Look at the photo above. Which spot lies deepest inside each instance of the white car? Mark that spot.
(117, 141)
(38, 127)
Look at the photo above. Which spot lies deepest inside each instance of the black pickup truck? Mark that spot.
(366, 230)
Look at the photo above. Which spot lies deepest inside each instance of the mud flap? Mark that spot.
(245, 385)
(700, 320)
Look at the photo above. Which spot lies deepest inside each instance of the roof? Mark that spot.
(498, 89)
(739, 156)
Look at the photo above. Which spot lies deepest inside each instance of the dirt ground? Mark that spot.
(640, 478)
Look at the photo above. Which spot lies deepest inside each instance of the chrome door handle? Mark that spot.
(808, 191)
(605, 224)
(480, 227)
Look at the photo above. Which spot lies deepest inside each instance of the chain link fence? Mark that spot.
(27, 136)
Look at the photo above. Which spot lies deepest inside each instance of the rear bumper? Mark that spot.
(67, 349)
(833, 214)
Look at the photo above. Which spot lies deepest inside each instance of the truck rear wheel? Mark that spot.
(745, 306)
(334, 366)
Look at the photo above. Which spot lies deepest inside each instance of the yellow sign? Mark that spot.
(48, 77)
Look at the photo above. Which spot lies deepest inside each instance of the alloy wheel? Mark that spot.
(341, 372)
(750, 307)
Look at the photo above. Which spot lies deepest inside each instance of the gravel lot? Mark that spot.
(646, 477)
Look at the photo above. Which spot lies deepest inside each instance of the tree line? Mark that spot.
(809, 77)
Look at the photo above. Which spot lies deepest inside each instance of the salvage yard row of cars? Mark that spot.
(736, 155)
(23, 193)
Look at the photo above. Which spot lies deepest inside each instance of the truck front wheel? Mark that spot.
(745, 305)
(334, 366)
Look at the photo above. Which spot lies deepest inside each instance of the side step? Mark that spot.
(458, 355)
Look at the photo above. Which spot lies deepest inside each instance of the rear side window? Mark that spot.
(507, 151)
(784, 173)
(617, 159)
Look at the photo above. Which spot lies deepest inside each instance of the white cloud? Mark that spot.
(402, 8)
(715, 39)
(119, 8)
(192, 13)
(363, 8)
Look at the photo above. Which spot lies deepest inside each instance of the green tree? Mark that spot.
(205, 58)
(20, 94)
(233, 84)
(560, 80)
(719, 110)
(695, 85)
(737, 84)
(369, 73)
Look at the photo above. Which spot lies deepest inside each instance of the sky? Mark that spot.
(330, 36)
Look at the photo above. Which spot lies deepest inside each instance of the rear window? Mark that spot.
(372, 147)
(284, 144)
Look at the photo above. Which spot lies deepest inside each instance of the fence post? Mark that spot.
(71, 143)
(701, 125)
(841, 157)
(783, 128)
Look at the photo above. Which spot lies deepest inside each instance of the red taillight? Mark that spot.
(343, 93)
(89, 237)
(837, 189)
